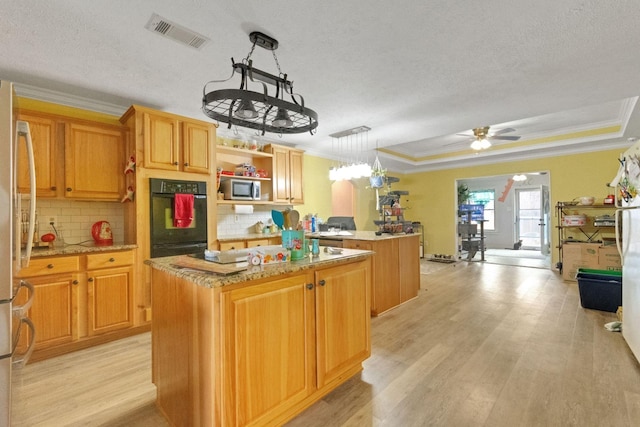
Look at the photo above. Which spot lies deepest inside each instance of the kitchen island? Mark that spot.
(396, 264)
(259, 346)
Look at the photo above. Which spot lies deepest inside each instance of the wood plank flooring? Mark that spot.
(482, 345)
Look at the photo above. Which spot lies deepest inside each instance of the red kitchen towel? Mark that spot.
(182, 210)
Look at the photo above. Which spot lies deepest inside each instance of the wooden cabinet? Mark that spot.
(287, 338)
(77, 297)
(94, 160)
(175, 143)
(409, 267)
(342, 320)
(248, 243)
(55, 308)
(54, 311)
(287, 181)
(43, 135)
(258, 352)
(270, 348)
(396, 270)
(109, 292)
(87, 156)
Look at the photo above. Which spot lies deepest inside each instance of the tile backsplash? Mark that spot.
(245, 224)
(75, 218)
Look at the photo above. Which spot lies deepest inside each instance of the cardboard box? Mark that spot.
(578, 255)
(588, 255)
(609, 258)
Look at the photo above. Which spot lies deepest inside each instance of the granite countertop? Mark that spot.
(84, 248)
(356, 235)
(212, 280)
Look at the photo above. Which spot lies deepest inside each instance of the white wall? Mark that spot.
(504, 234)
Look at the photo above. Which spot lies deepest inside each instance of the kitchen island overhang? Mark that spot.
(259, 346)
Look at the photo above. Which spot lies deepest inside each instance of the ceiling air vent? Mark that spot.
(173, 31)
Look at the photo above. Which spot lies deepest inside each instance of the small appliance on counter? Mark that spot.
(102, 234)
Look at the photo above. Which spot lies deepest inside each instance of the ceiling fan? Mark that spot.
(482, 137)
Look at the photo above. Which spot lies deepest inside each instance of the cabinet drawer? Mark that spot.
(257, 242)
(45, 266)
(109, 259)
(225, 246)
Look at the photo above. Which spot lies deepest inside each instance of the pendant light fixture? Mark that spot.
(258, 109)
(352, 143)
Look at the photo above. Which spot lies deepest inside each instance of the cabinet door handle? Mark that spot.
(90, 279)
(49, 266)
(54, 188)
(175, 163)
(309, 286)
(69, 189)
(112, 259)
(75, 282)
(187, 164)
(322, 282)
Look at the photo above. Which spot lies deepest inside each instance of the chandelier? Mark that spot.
(352, 143)
(257, 109)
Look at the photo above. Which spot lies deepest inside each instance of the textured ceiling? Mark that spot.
(564, 74)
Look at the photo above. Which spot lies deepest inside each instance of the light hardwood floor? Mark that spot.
(482, 345)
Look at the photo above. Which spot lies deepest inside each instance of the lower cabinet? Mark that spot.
(283, 343)
(75, 300)
(288, 338)
(396, 270)
(248, 243)
(54, 311)
(109, 301)
(269, 348)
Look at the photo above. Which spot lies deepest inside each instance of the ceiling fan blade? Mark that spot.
(501, 131)
(505, 138)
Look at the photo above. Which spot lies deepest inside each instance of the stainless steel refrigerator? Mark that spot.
(627, 182)
(17, 226)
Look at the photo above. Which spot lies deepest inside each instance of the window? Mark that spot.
(486, 198)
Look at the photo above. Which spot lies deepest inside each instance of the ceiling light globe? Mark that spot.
(476, 145)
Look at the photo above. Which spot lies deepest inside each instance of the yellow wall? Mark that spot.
(317, 193)
(432, 195)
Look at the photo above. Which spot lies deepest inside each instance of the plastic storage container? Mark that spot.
(600, 289)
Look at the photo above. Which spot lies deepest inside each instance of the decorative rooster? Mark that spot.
(129, 196)
(131, 165)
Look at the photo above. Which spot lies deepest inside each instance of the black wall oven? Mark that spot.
(166, 239)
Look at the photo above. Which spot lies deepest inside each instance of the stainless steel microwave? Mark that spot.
(240, 189)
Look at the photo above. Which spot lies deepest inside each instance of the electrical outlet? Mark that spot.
(53, 221)
(236, 218)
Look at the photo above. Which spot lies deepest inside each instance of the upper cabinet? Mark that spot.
(87, 156)
(175, 143)
(94, 161)
(43, 135)
(287, 184)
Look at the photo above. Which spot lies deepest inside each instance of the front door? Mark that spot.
(528, 218)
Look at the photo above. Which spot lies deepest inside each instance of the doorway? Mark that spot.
(532, 218)
(520, 212)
